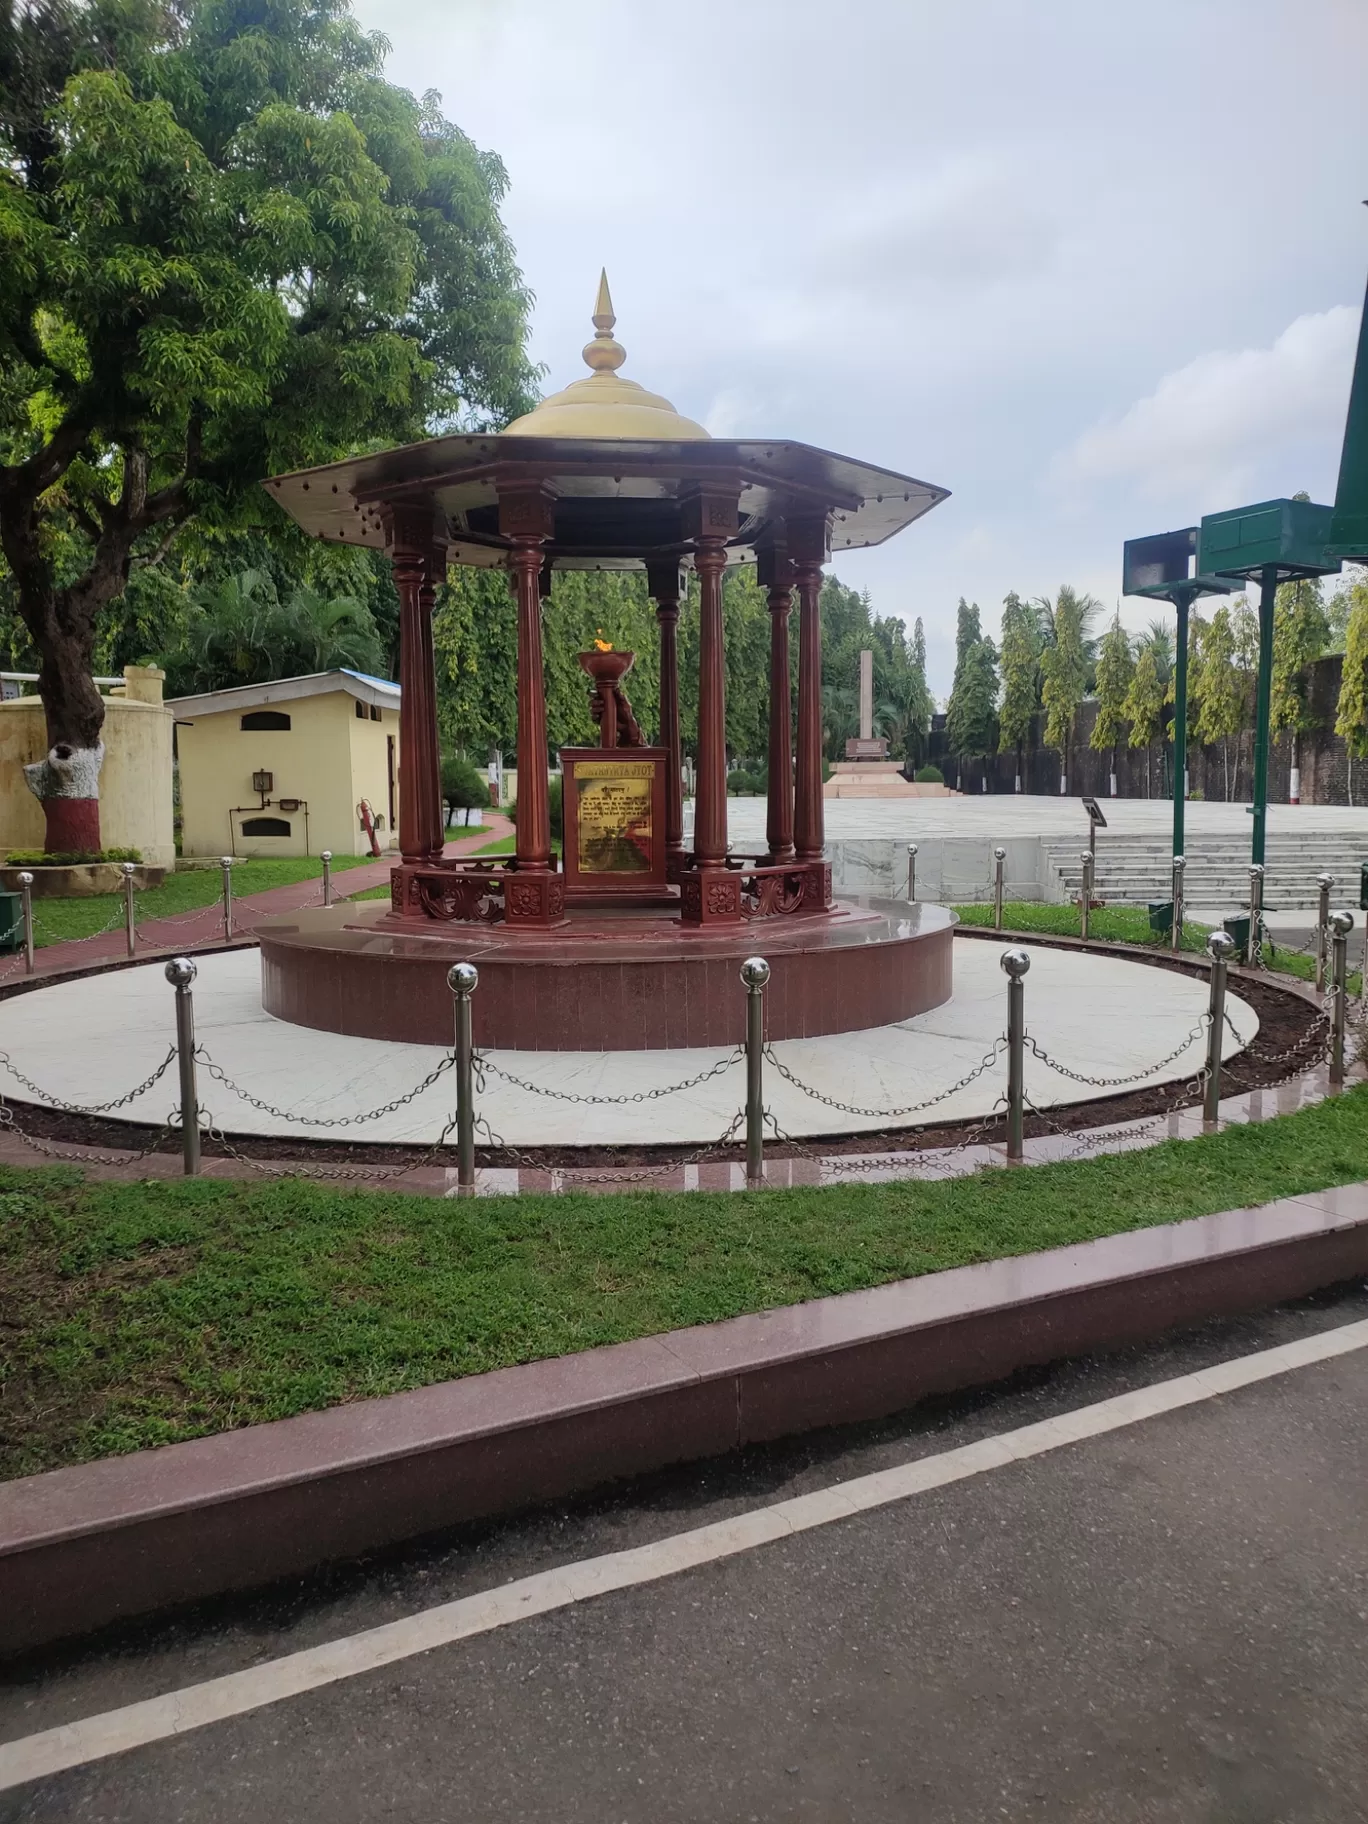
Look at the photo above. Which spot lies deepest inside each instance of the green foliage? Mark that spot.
(556, 800)
(1351, 717)
(1021, 644)
(1144, 705)
(748, 781)
(240, 632)
(41, 858)
(930, 775)
(1115, 670)
(970, 724)
(1218, 687)
(231, 247)
(1064, 664)
(1301, 633)
(464, 786)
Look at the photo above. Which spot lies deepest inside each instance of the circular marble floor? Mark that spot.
(89, 1040)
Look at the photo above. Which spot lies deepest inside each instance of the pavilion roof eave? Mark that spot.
(340, 501)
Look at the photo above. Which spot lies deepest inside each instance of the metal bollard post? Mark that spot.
(130, 914)
(1085, 895)
(1256, 886)
(999, 856)
(26, 896)
(1176, 930)
(1220, 948)
(226, 863)
(1341, 924)
(326, 859)
(1326, 883)
(1014, 964)
(755, 972)
(180, 972)
(463, 979)
(911, 871)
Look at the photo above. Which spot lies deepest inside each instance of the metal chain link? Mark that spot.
(612, 1174)
(1138, 1076)
(94, 1108)
(220, 1075)
(370, 1174)
(483, 1064)
(85, 1156)
(879, 1114)
(837, 1164)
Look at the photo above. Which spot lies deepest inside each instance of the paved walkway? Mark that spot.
(1152, 1611)
(204, 925)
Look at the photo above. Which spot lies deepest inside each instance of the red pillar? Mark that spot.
(536, 895)
(417, 565)
(808, 550)
(710, 891)
(663, 581)
(776, 576)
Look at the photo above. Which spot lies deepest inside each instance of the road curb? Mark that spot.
(128, 1536)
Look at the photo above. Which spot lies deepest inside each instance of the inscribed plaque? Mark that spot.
(614, 816)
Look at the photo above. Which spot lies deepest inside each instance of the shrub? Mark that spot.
(557, 798)
(464, 786)
(39, 858)
(930, 775)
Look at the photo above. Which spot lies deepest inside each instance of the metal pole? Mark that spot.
(1268, 595)
(1182, 602)
(1326, 883)
(1220, 948)
(463, 979)
(226, 863)
(326, 859)
(755, 972)
(1256, 883)
(911, 871)
(1085, 895)
(1341, 924)
(26, 896)
(130, 915)
(999, 856)
(1176, 930)
(180, 972)
(1014, 964)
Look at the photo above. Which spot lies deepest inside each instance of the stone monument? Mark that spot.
(866, 745)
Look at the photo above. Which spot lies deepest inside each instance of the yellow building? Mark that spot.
(283, 768)
(135, 780)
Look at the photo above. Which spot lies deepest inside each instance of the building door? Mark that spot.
(389, 763)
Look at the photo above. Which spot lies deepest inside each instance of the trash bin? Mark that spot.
(1236, 928)
(11, 923)
(1363, 886)
(1161, 918)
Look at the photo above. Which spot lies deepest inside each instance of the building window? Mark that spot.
(264, 718)
(375, 712)
(266, 826)
(360, 710)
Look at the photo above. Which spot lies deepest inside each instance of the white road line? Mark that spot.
(36, 1757)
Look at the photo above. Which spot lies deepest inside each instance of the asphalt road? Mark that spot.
(1167, 1622)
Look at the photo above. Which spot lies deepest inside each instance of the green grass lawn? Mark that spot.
(1129, 925)
(135, 1314)
(56, 920)
(506, 845)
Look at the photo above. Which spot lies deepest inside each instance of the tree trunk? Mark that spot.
(67, 781)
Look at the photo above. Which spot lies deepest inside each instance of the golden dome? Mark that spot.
(605, 405)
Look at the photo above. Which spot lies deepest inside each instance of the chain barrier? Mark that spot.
(85, 1156)
(370, 1174)
(612, 1174)
(989, 1058)
(483, 1063)
(95, 1108)
(220, 1075)
(1138, 1076)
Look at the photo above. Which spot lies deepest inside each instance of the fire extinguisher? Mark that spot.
(363, 811)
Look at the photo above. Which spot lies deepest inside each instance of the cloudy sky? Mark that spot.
(1096, 268)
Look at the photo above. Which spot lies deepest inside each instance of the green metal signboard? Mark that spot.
(1289, 535)
(1349, 525)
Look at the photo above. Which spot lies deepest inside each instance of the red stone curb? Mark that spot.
(130, 1535)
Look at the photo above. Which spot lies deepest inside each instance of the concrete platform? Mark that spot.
(85, 1041)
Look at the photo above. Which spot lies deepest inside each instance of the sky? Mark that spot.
(1096, 268)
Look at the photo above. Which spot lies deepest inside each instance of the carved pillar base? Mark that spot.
(710, 896)
(534, 900)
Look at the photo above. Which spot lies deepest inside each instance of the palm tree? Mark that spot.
(239, 632)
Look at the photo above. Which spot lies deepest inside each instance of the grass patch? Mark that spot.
(1130, 925)
(56, 920)
(507, 844)
(136, 1314)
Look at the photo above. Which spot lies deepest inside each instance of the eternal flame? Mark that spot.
(606, 476)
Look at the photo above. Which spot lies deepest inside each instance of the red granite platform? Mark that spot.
(608, 980)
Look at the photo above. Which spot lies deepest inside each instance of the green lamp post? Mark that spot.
(1164, 568)
(1275, 541)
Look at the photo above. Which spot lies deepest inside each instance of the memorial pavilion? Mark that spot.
(603, 475)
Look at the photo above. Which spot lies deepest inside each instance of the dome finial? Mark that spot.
(603, 354)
